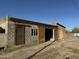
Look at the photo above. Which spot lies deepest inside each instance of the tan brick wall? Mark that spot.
(41, 34)
(61, 33)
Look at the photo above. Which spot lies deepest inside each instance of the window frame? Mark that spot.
(34, 32)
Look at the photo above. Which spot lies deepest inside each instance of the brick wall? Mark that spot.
(3, 40)
(4, 37)
(29, 39)
(61, 33)
(41, 34)
(11, 34)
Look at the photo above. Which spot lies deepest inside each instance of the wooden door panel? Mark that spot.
(20, 34)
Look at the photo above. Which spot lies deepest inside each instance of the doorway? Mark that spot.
(20, 35)
(48, 34)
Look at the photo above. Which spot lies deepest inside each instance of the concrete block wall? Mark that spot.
(11, 33)
(4, 36)
(29, 39)
(36, 37)
(3, 41)
(4, 25)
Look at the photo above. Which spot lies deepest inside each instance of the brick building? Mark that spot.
(25, 32)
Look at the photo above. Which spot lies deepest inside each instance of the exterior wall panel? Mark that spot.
(4, 37)
(55, 33)
(3, 41)
(61, 33)
(28, 40)
(35, 38)
(41, 34)
(11, 34)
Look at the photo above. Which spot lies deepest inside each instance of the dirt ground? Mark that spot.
(68, 49)
(65, 49)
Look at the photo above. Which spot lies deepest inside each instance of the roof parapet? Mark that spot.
(56, 23)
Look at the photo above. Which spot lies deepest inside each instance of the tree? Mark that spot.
(75, 30)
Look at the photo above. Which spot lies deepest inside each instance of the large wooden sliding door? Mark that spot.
(20, 35)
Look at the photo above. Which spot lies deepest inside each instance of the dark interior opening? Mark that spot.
(1, 48)
(48, 34)
(2, 30)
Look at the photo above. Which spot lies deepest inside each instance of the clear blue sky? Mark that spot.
(65, 12)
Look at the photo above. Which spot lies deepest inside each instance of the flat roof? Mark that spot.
(29, 22)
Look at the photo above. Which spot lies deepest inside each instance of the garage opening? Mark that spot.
(48, 34)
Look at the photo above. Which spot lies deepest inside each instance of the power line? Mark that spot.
(75, 4)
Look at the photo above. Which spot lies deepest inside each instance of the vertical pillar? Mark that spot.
(53, 38)
(53, 34)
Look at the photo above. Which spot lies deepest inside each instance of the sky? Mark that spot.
(65, 12)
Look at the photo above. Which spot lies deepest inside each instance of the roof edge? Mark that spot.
(61, 25)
